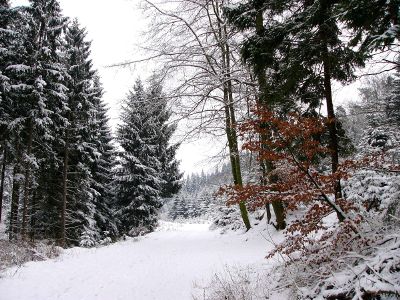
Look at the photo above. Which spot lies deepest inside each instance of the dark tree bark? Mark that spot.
(3, 175)
(33, 218)
(267, 167)
(13, 230)
(62, 241)
(230, 116)
(332, 122)
(27, 180)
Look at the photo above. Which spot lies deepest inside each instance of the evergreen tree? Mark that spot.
(6, 39)
(393, 100)
(46, 121)
(102, 183)
(139, 183)
(5, 53)
(375, 23)
(169, 168)
(53, 128)
(78, 151)
(38, 98)
(305, 54)
(87, 154)
(12, 68)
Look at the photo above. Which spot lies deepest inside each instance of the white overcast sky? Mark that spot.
(115, 29)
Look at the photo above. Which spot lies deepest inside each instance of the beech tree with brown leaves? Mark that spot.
(294, 146)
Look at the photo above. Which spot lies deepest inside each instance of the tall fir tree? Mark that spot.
(54, 134)
(393, 100)
(87, 152)
(77, 151)
(169, 166)
(139, 184)
(38, 97)
(6, 39)
(47, 121)
(374, 24)
(303, 52)
(102, 165)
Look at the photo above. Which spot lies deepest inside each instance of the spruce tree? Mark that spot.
(303, 52)
(169, 166)
(256, 52)
(12, 113)
(77, 152)
(5, 51)
(138, 180)
(36, 96)
(374, 23)
(54, 134)
(87, 152)
(393, 100)
(47, 104)
(102, 181)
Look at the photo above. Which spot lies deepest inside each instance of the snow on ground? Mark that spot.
(165, 264)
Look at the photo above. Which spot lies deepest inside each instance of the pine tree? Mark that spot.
(393, 100)
(139, 184)
(46, 121)
(37, 95)
(5, 49)
(102, 183)
(77, 151)
(304, 53)
(54, 132)
(374, 23)
(169, 168)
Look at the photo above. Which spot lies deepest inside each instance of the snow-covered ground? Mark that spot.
(166, 264)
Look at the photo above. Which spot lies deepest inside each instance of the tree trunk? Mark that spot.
(27, 180)
(33, 218)
(332, 128)
(3, 175)
(235, 164)
(230, 119)
(267, 167)
(234, 147)
(64, 195)
(13, 230)
(268, 210)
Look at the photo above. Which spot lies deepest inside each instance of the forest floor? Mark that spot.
(175, 262)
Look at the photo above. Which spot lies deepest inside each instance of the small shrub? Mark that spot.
(16, 253)
(235, 284)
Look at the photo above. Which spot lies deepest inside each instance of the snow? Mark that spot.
(165, 264)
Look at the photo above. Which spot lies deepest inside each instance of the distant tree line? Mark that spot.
(198, 195)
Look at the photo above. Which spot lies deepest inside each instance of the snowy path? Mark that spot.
(162, 265)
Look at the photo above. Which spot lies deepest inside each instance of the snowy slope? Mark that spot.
(162, 265)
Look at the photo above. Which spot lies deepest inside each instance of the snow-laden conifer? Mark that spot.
(138, 179)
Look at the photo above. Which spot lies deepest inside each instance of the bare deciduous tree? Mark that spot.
(198, 52)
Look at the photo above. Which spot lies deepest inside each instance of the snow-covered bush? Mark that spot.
(371, 189)
(369, 271)
(105, 241)
(227, 218)
(139, 231)
(19, 252)
(341, 264)
(234, 284)
(90, 238)
(87, 240)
